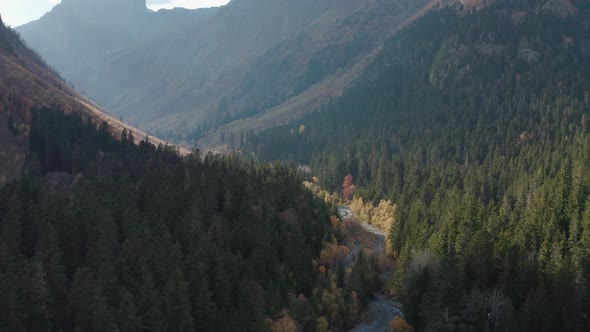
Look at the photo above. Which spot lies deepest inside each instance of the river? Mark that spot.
(380, 310)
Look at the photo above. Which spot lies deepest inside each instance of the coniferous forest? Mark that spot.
(467, 139)
(476, 124)
(105, 234)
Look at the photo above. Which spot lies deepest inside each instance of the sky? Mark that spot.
(18, 12)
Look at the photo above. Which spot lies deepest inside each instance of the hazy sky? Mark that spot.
(18, 12)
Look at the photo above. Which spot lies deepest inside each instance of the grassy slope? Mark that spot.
(26, 76)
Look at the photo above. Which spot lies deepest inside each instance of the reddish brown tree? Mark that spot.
(348, 188)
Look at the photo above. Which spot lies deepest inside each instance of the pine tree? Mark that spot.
(221, 285)
(11, 125)
(103, 318)
(12, 234)
(88, 305)
(36, 297)
(537, 315)
(149, 302)
(201, 296)
(50, 256)
(127, 318)
(177, 303)
(11, 308)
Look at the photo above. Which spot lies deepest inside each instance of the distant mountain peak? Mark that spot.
(2, 25)
(106, 5)
(138, 3)
(4, 33)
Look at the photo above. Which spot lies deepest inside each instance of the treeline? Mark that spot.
(101, 234)
(477, 127)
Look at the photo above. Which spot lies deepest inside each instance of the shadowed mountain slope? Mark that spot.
(26, 82)
(183, 72)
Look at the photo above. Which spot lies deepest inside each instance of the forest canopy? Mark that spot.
(475, 125)
(105, 234)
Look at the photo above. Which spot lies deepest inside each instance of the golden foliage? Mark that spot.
(400, 325)
(319, 192)
(382, 216)
(335, 222)
(301, 129)
(322, 325)
(285, 323)
(362, 210)
(333, 254)
(389, 250)
(331, 301)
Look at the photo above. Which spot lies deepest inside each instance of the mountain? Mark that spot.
(28, 82)
(103, 232)
(473, 121)
(107, 234)
(185, 72)
(462, 130)
(324, 59)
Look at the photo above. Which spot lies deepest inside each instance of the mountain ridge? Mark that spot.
(232, 63)
(311, 99)
(28, 82)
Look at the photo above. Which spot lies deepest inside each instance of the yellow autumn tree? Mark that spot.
(381, 216)
(333, 254)
(384, 215)
(285, 324)
(400, 325)
(301, 129)
(322, 325)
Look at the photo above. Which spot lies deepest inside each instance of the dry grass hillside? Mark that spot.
(27, 81)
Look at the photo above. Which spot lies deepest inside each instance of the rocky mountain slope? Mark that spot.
(174, 71)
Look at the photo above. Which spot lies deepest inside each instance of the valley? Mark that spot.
(462, 123)
(354, 165)
(212, 78)
(381, 309)
(28, 82)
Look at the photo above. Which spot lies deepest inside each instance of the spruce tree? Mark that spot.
(177, 303)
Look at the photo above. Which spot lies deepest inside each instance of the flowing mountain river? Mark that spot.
(380, 310)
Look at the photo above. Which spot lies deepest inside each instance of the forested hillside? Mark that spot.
(103, 234)
(475, 123)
